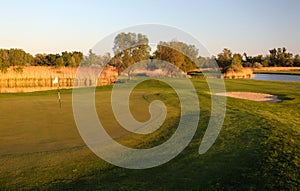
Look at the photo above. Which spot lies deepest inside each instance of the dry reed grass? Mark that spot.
(245, 73)
(36, 78)
(39, 72)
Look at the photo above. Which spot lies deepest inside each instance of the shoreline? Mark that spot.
(277, 72)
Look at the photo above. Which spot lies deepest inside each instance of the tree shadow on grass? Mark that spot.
(284, 97)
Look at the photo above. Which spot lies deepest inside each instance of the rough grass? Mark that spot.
(257, 149)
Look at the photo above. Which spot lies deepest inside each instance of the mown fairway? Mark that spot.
(258, 147)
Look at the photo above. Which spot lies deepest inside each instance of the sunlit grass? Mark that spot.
(258, 147)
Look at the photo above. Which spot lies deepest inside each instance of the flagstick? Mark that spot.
(58, 94)
(56, 81)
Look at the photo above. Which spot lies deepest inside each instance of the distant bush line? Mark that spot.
(184, 56)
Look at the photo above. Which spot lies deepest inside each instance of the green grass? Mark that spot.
(258, 147)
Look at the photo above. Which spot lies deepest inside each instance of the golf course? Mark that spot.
(258, 147)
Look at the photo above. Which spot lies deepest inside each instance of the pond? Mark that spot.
(277, 77)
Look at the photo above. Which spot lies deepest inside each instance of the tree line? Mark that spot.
(18, 58)
(130, 48)
(276, 57)
(187, 58)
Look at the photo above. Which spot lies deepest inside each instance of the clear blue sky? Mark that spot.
(252, 26)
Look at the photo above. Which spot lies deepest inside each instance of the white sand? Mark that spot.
(251, 96)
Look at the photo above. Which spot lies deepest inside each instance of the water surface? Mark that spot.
(277, 77)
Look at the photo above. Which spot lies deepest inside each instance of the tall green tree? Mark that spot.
(91, 59)
(18, 57)
(130, 48)
(224, 59)
(273, 57)
(280, 57)
(236, 64)
(67, 57)
(77, 58)
(169, 52)
(51, 59)
(297, 60)
(59, 61)
(4, 60)
(284, 58)
(266, 61)
(40, 60)
(206, 62)
(180, 54)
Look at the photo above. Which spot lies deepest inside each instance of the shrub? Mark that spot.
(257, 65)
(4, 67)
(18, 69)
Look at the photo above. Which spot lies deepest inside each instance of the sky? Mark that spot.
(53, 26)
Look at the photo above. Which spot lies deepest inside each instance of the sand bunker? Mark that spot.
(252, 96)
